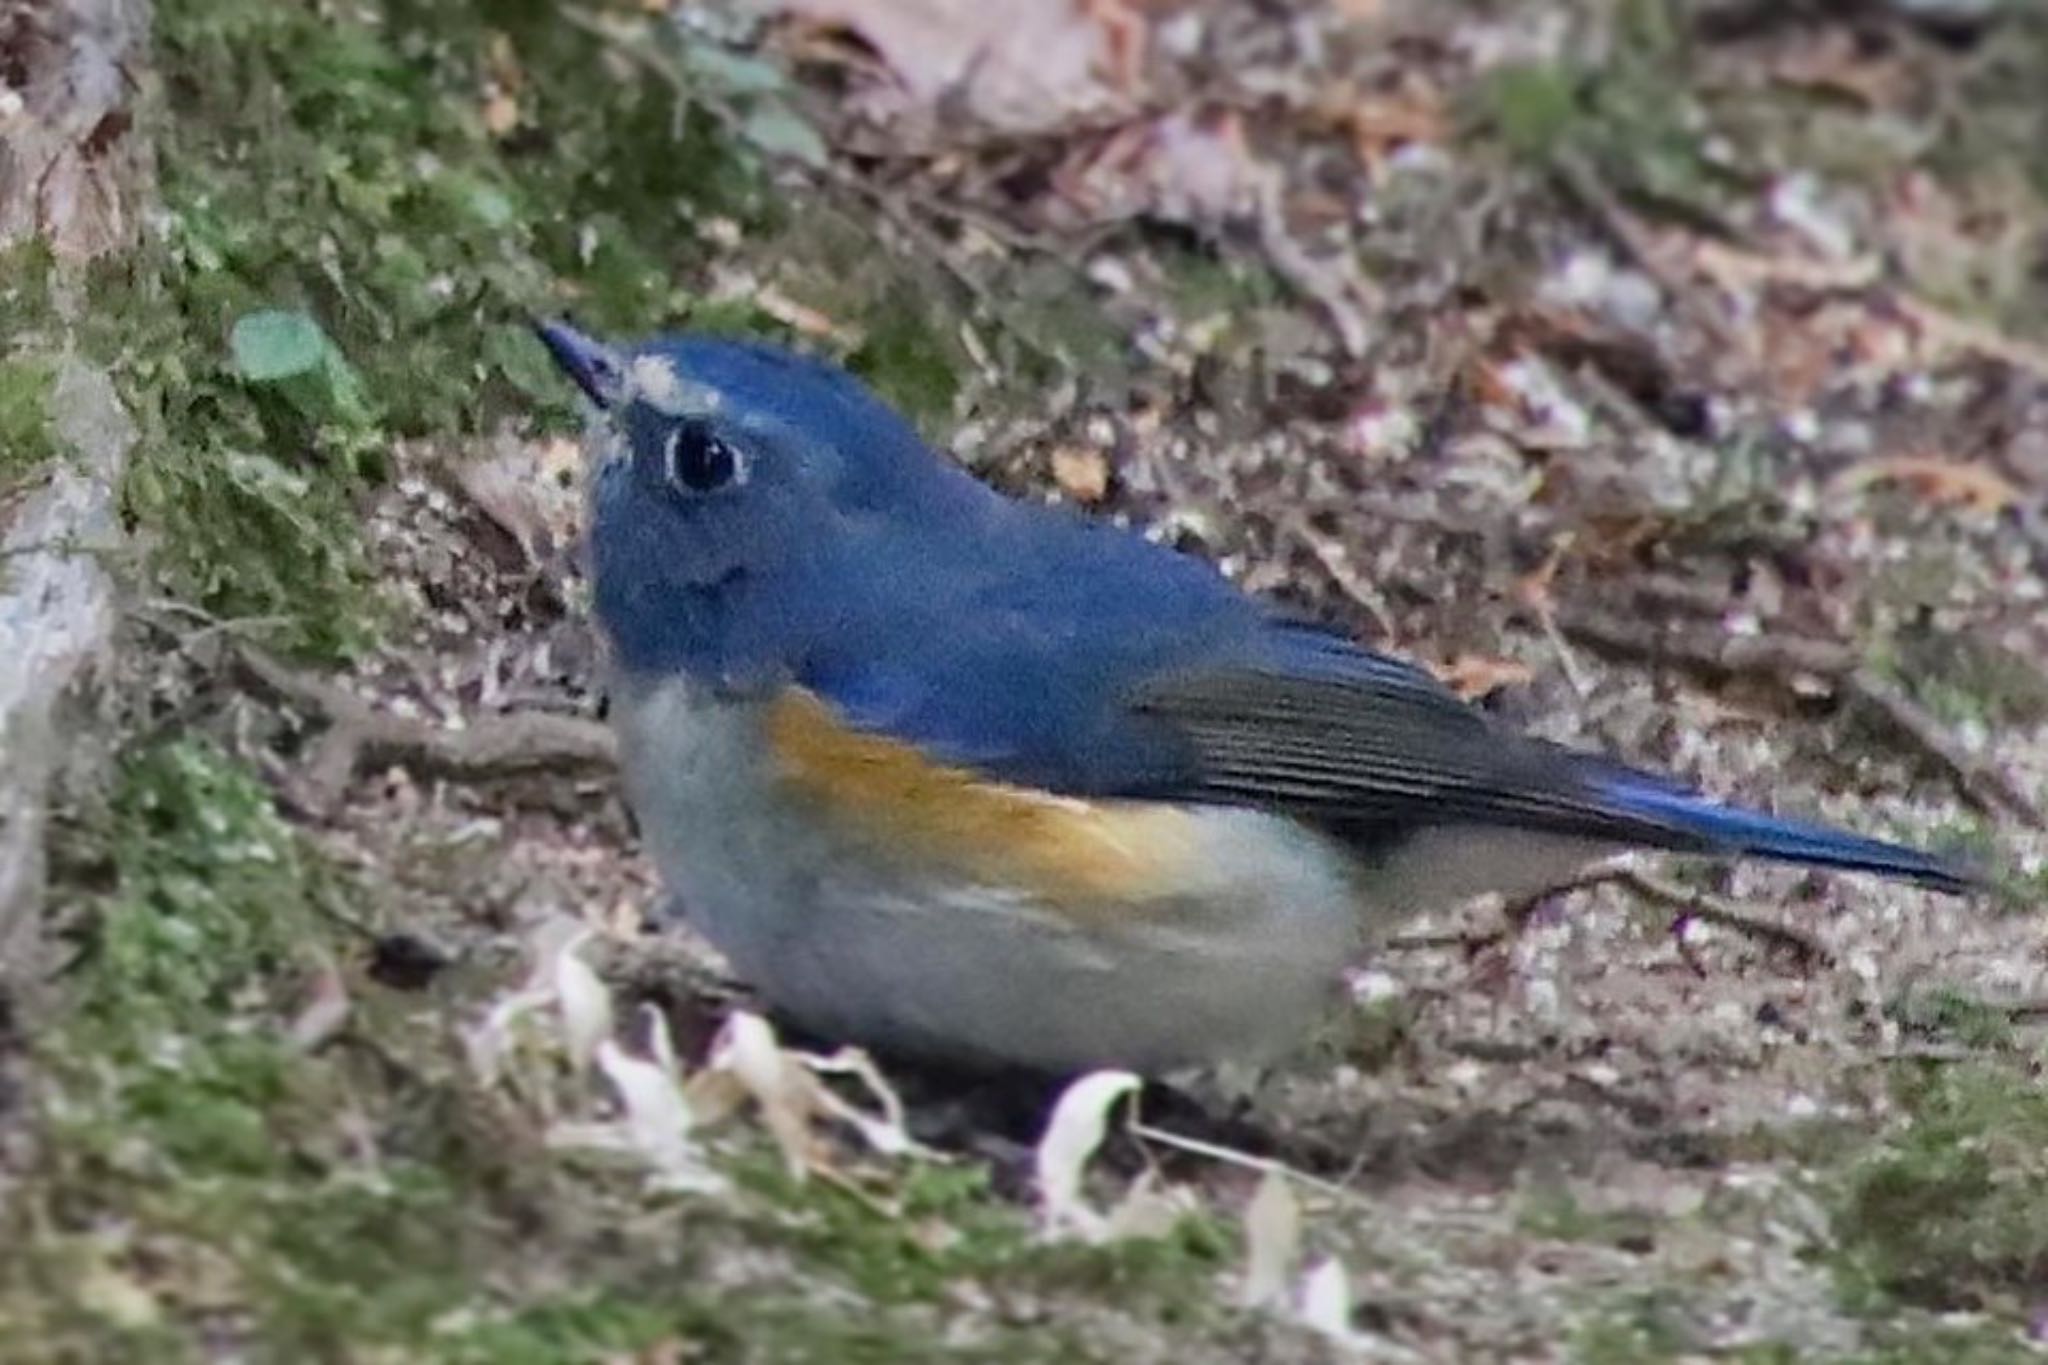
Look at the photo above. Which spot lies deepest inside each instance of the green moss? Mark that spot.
(26, 436)
(332, 165)
(1551, 1210)
(1952, 1211)
(899, 1259)
(908, 362)
(194, 1167)
(1631, 117)
(1911, 1340)
(1954, 1015)
(1643, 1328)
(1965, 678)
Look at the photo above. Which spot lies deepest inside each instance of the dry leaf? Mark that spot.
(1200, 168)
(1733, 268)
(1192, 168)
(1381, 124)
(530, 490)
(1149, 1210)
(657, 1119)
(1946, 333)
(1082, 473)
(661, 1044)
(1325, 1306)
(801, 317)
(1960, 483)
(781, 1089)
(1533, 589)
(491, 1041)
(585, 1003)
(1476, 676)
(1022, 66)
(325, 1011)
(1835, 61)
(501, 112)
(1272, 1240)
(1080, 1118)
(886, 1133)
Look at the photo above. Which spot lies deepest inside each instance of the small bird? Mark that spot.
(946, 773)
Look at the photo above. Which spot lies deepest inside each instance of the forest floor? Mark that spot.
(1672, 375)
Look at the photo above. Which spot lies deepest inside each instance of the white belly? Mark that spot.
(1234, 962)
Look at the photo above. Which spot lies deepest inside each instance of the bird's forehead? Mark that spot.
(654, 380)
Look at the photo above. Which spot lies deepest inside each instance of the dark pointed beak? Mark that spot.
(594, 366)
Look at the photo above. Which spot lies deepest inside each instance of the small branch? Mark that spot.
(1465, 943)
(1982, 785)
(1335, 561)
(1710, 650)
(1337, 292)
(1626, 231)
(361, 737)
(1690, 905)
(1786, 659)
(1713, 910)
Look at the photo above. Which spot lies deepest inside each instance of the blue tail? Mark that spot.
(1704, 824)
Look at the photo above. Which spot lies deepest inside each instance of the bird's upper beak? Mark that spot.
(596, 368)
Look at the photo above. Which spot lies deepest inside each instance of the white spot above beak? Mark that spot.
(654, 381)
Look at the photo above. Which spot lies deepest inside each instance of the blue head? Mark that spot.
(745, 502)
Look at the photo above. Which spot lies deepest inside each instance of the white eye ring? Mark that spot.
(696, 460)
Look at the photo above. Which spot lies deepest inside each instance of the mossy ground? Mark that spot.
(199, 1186)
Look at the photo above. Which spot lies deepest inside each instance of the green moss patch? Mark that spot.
(1952, 1211)
(26, 436)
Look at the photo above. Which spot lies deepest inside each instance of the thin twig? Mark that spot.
(1786, 659)
(1335, 561)
(1230, 1156)
(1713, 910)
(1626, 231)
(1709, 649)
(1466, 943)
(361, 737)
(1981, 784)
(1337, 292)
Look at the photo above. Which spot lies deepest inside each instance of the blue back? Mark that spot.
(1044, 650)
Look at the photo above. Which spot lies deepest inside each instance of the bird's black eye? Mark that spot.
(699, 461)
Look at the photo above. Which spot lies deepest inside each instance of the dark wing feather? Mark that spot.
(1369, 752)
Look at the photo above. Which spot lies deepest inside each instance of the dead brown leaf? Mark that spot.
(501, 112)
(1476, 676)
(1833, 61)
(1021, 66)
(1734, 268)
(1194, 168)
(1082, 473)
(1944, 482)
(1380, 123)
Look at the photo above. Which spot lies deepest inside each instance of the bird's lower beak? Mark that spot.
(594, 366)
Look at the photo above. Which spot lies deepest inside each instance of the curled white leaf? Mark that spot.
(1150, 1209)
(661, 1044)
(781, 1088)
(1325, 1308)
(584, 1000)
(322, 1016)
(885, 1133)
(490, 1042)
(1272, 1239)
(1326, 1300)
(657, 1118)
(1080, 1118)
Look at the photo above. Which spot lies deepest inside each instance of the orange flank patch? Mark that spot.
(1074, 853)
